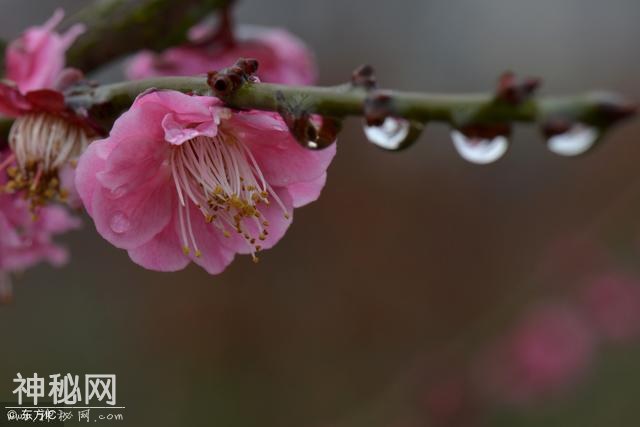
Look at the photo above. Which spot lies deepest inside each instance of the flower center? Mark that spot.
(222, 179)
(42, 144)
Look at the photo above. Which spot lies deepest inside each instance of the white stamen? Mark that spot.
(222, 178)
(48, 139)
(42, 144)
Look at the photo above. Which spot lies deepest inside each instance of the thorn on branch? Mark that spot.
(381, 127)
(377, 105)
(364, 77)
(514, 90)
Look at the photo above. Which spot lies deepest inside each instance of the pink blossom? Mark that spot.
(46, 139)
(47, 136)
(613, 305)
(283, 57)
(36, 60)
(26, 240)
(182, 178)
(545, 354)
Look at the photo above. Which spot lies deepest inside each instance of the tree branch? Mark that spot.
(119, 27)
(597, 109)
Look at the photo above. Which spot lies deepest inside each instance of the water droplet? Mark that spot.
(390, 135)
(118, 191)
(119, 223)
(577, 140)
(478, 150)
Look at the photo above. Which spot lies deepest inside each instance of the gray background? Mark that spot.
(408, 260)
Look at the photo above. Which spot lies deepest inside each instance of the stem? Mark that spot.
(119, 27)
(596, 109)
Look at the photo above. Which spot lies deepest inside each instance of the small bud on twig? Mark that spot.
(377, 107)
(364, 77)
(224, 82)
(515, 91)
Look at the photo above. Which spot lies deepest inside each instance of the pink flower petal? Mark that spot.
(93, 161)
(215, 256)
(282, 160)
(35, 60)
(179, 129)
(133, 219)
(162, 253)
(304, 193)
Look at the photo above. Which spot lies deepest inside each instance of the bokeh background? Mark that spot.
(386, 299)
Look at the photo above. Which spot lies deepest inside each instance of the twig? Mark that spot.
(116, 28)
(597, 109)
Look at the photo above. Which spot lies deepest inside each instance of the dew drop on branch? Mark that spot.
(478, 150)
(119, 223)
(391, 135)
(577, 140)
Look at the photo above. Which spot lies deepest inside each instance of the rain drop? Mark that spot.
(577, 140)
(390, 135)
(119, 223)
(479, 150)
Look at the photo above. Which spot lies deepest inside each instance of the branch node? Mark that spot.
(377, 107)
(226, 81)
(301, 124)
(514, 90)
(364, 77)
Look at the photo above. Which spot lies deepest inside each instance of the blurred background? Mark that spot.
(420, 290)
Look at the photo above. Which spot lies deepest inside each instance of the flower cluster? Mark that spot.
(47, 137)
(25, 239)
(178, 178)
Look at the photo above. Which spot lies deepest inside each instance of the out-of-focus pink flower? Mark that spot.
(544, 355)
(36, 59)
(283, 57)
(47, 137)
(613, 305)
(182, 178)
(26, 241)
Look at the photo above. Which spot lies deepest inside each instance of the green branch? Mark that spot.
(116, 28)
(596, 109)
